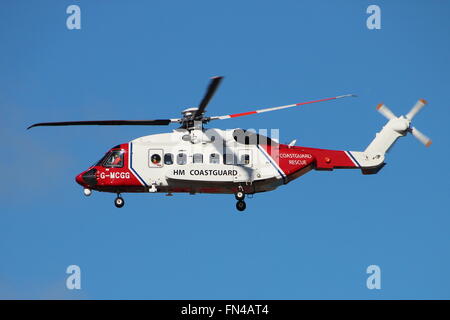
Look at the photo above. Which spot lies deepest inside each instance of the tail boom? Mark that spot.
(327, 160)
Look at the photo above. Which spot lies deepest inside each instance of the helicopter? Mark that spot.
(193, 159)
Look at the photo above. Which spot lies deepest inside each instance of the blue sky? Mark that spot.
(311, 239)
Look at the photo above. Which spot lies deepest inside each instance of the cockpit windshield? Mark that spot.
(112, 159)
(99, 162)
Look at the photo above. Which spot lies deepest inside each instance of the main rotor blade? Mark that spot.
(420, 136)
(276, 108)
(417, 107)
(213, 85)
(385, 111)
(162, 122)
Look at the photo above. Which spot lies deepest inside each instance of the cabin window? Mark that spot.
(114, 159)
(155, 158)
(181, 158)
(228, 158)
(168, 158)
(245, 159)
(214, 158)
(197, 158)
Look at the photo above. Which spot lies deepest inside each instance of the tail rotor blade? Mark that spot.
(420, 136)
(417, 107)
(385, 111)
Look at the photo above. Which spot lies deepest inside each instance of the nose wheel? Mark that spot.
(119, 202)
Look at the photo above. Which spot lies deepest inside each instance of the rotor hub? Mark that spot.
(189, 112)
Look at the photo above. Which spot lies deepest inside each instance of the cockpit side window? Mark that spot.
(114, 159)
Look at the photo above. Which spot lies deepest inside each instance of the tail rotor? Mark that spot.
(402, 124)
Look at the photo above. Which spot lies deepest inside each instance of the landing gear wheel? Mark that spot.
(239, 195)
(119, 202)
(240, 205)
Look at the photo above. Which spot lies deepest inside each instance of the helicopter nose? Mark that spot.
(79, 179)
(87, 178)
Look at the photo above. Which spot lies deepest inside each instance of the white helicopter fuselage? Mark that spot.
(219, 161)
(193, 162)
